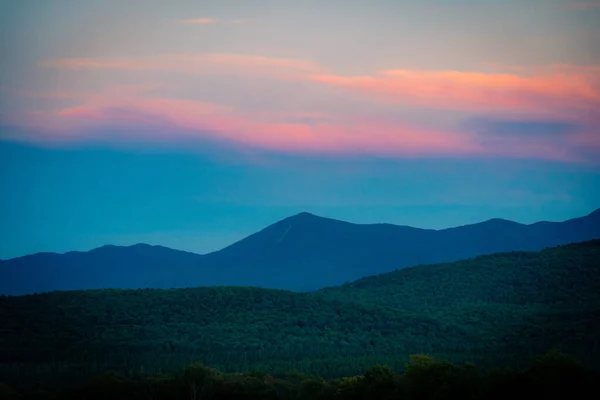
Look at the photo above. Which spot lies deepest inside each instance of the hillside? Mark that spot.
(550, 298)
(494, 310)
(301, 253)
(562, 274)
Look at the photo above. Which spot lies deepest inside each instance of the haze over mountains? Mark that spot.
(301, 253)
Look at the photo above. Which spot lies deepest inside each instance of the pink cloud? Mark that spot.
(174, 120)
(139, 112)
(573, 93)
(560, 91)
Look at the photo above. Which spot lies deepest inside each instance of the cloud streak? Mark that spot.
(574, 94)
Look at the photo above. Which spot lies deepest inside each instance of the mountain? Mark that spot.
(303, 252)
(494, 310)
(136, 266)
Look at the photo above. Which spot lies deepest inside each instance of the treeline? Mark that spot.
(551, 376)
(493, 310)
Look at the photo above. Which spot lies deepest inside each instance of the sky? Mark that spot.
(191, 124)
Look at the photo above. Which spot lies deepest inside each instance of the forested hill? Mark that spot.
(557, 276)
(516, 300)
(301, 253)
(494, 310)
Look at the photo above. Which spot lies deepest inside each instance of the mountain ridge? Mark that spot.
(303, 252)
(305, 214)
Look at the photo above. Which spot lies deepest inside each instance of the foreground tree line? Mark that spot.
(553, 375)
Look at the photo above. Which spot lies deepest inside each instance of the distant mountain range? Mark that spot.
(300, 253)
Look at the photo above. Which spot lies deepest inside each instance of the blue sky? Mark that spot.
(192, 124)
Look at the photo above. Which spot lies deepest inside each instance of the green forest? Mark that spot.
(352, 341)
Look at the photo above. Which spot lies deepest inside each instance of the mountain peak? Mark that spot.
(309, 219)
(303, 217)
(305, 214)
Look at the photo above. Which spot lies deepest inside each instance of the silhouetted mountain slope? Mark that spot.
(302, 252)
(493, 310)
(135, 266)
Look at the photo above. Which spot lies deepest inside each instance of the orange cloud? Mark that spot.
(560, 91)
(574, 93)
(563, 90)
